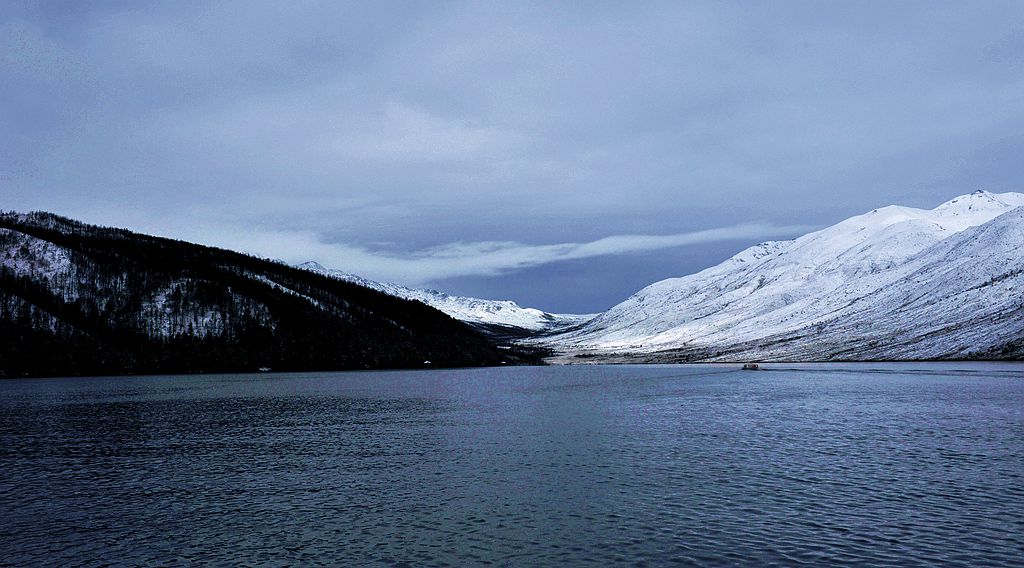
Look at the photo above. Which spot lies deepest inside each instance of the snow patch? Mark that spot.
(504, 313)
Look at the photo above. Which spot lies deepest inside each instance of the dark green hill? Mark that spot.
(77, 299)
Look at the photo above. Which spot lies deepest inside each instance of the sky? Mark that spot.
(560, 154)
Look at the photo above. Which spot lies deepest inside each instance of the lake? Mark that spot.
(705, 465)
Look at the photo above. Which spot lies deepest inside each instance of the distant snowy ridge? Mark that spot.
(893, 283)
(502, 313)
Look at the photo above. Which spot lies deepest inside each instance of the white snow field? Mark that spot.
(893, 283)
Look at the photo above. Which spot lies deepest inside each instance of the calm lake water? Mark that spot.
(873, 464)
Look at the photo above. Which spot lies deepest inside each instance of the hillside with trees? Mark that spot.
(78, 299)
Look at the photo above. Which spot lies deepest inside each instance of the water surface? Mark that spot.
(868, 464)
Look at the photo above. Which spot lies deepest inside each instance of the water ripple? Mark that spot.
(919, 465)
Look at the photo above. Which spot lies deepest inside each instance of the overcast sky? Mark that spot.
(560, 154)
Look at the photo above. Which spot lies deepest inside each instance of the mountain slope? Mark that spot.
(80, 299)
(845, 292)
(489, 315)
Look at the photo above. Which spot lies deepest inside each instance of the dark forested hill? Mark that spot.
(77, 299)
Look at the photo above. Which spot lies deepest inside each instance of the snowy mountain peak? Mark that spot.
(981, 201)
(894, 264)
(476, 311)
(312, 265)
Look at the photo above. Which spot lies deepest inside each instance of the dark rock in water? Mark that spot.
(750, 367)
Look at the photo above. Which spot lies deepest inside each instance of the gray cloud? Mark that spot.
(424, 124)
(460, 259)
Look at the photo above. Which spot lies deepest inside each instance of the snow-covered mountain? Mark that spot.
(489, 314)
(894, 283)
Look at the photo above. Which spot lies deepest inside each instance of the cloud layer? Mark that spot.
(418, 125)
(492, 258)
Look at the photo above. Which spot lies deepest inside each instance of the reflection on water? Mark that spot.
(868, 464)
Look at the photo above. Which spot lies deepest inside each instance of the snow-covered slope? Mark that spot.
(501, 313)
(897, 282)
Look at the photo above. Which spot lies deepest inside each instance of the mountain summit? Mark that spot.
(893, 283)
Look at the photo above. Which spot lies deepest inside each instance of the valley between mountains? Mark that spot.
(895, 283)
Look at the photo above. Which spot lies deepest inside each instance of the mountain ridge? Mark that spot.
(82, 299)
(895, 283)
(764, 302)
(495, 316)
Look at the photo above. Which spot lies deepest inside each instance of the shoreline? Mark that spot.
(764, 366)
